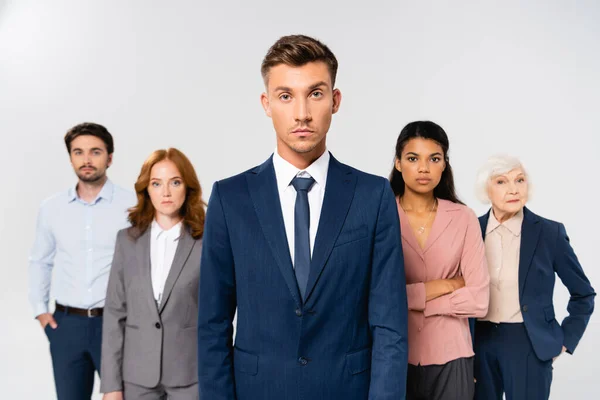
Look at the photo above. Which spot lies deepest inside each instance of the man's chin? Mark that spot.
(90, 178)
(303, 148)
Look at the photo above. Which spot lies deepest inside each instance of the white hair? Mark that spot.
(494, 166)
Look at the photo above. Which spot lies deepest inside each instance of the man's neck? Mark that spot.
(300, 160)
(88, 191)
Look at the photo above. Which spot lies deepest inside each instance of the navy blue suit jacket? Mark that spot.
(545, 253)
(348, 339)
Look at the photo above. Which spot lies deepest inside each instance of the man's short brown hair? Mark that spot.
(296, 51)
(91, 129)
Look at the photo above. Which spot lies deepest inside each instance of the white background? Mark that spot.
(515, 77)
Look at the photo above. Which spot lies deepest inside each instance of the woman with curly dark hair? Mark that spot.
(149, 335)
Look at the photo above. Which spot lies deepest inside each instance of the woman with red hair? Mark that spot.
(149, 334)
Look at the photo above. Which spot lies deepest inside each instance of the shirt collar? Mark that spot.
(106, 192)
(285, 172)
(172, 234)
(513, 224)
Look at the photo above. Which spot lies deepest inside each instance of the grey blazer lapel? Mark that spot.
(142, 251)
(184, 248)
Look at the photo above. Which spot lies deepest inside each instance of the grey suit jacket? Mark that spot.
(141, 343)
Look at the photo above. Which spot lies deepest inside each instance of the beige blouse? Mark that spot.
(502, 250)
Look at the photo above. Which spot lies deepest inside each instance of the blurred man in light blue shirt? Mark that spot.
(71, 258)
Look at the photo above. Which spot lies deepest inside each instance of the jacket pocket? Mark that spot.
(359, 361)
(131, 326)
(245, 362)
(352, 235)
(549, 313)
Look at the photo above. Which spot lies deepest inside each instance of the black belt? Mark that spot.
(90, 313)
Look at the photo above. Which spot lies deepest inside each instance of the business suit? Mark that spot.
(517, 358)
(346, 337)
(144, 344)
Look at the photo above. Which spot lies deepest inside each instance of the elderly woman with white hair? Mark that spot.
(519, 338)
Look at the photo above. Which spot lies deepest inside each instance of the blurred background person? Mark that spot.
(149, 349)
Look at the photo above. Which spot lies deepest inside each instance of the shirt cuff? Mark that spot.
(440, 306)
(40, 308)
(416, 296)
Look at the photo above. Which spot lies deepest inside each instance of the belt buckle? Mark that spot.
(89, 313)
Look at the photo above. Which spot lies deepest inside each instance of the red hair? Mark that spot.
(192, 211)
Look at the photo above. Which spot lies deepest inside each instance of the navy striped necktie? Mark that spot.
(302, 232)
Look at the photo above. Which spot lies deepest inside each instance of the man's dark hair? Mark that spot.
(296, 51)
(91, 129)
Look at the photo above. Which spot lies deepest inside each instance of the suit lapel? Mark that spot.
(483, 221)
(530, 234)
(339, 193)
(407, 233)
(143, 255)
(262, 186)
(184, 248)
(442, 220)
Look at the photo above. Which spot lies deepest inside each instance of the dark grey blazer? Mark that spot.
(141, 343)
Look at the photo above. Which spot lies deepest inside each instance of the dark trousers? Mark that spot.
(75, 348)
(451, 381)
(506, 363)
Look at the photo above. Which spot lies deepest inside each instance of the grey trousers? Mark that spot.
(135, 392)
(451, 381)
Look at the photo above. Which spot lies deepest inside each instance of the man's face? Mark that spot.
(300, 101)
(89, 158)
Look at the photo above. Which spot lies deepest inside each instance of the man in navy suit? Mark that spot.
(308, 250)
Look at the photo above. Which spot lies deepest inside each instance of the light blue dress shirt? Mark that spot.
(74, 246)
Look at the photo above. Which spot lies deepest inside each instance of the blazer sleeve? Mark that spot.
(581, 303)
(113, 324)
(472, 299)
(217, 304)
(388, 305)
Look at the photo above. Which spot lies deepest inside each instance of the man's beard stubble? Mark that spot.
(95, 177)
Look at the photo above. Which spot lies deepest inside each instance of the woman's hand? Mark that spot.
(562, 351)
(441, 287)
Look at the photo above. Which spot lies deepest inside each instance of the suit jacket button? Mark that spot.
(157, 325)
(303, 361)
(525, 308)
(298, 312)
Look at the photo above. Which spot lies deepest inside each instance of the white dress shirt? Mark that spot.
(163, 245)
(284, 173)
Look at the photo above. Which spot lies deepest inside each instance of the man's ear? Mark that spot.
(264, 100)
(337, 100)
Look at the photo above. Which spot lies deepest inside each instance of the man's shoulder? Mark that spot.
(235, 182)
(56, 199)
(365, 178)
(124, 195)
